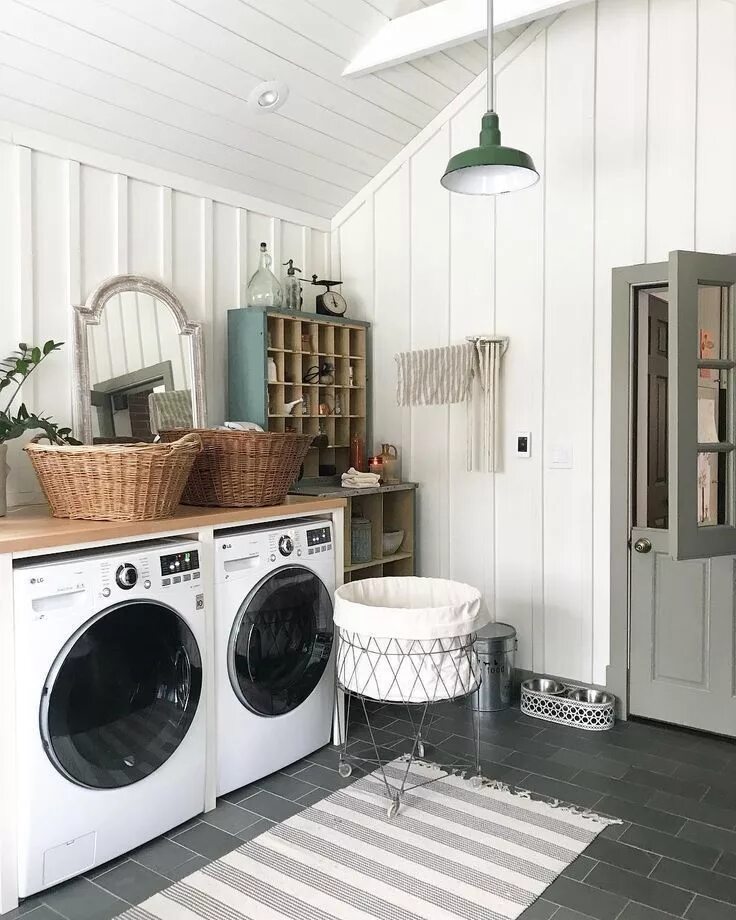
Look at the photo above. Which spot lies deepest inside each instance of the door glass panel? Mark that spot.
(712, 409)
(712, 488)
(715, 399)
(281, 641)
(121, 697)
(712, 322)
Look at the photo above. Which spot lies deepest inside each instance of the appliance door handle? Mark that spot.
(248, 652)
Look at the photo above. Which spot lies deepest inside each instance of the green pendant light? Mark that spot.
(489, 168)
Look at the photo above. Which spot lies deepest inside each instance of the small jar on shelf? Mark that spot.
(375, 465)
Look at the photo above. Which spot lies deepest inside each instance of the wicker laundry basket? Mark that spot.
(114, 482)
(243, 469)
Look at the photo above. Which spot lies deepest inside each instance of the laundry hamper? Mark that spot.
(409, 641)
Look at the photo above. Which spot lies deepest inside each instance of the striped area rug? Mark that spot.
(453, 852)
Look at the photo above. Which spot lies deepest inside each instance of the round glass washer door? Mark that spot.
(121, 695)
(281, 641)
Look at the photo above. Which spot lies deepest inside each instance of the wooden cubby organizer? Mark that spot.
(297, 342)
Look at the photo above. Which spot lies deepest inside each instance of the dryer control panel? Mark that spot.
(241, 553)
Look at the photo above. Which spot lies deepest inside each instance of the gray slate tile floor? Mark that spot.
(673, 856)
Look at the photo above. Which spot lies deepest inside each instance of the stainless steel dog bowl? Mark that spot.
(544, 685)
(583, 695)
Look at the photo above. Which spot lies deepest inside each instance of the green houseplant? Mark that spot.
(14, 371)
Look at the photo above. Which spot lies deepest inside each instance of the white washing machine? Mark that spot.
(273, 647)
(110, 706)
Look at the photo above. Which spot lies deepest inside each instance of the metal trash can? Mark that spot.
(495, 645)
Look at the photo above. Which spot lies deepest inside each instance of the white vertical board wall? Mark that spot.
(629, 108)
(65, 226)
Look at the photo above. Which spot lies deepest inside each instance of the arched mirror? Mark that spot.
(139, 363)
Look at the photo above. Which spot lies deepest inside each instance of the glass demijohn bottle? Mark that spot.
(264, 289)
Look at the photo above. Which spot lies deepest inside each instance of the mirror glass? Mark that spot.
(140, 370)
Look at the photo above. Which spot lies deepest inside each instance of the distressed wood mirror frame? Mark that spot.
(90, 314)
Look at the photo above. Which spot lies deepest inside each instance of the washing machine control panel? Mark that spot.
(319, 539)
(126, 576)
(179, 567)
(286, 545)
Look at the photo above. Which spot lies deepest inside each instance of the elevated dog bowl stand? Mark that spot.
(562, 710)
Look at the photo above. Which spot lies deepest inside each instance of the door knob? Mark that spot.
(643, 545)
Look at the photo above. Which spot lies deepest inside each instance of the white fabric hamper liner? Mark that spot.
(408, 639)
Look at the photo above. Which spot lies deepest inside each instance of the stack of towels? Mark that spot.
(355, 480)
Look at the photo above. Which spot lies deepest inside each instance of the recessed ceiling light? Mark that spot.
(268, 97)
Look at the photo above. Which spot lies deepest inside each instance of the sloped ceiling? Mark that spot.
(166, 82)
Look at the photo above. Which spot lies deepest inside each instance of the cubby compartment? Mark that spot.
(357, 403)
(342, 341)
(370, 507)
(326, 338)
(398, 514)
(356, 373)
(275, 333)
(275, 401)
(357, 343)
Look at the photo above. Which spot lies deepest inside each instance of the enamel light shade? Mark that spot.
(490, 168)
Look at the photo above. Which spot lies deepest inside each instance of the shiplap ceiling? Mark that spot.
(165, 82)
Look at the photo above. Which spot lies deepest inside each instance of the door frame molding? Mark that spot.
(625, 281)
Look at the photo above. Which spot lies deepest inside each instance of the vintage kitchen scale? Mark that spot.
(330, 303)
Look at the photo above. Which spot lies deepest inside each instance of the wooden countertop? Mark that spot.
(32, 527)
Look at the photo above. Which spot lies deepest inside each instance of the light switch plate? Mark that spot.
(523, 444)
(560, 457)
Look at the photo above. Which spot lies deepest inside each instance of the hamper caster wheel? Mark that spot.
(476, 781)
(393, 808)
(344, 769)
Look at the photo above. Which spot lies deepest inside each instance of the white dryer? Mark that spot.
(273, 647)
(110, 708)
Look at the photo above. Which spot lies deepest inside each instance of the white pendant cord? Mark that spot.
(489, 47)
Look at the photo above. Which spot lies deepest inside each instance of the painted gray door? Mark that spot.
(681, 637)
(683, 566)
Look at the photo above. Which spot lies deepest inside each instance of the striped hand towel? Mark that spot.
(435, 376)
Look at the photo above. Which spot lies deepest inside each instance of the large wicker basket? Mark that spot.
(243, 469)
(114, 482)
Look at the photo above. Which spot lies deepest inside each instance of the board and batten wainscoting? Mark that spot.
(71, 217)
(629, 110)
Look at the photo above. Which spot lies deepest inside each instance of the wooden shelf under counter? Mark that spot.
(388, 508)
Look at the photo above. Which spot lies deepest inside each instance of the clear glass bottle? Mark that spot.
(264, 289)
(292, 288)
